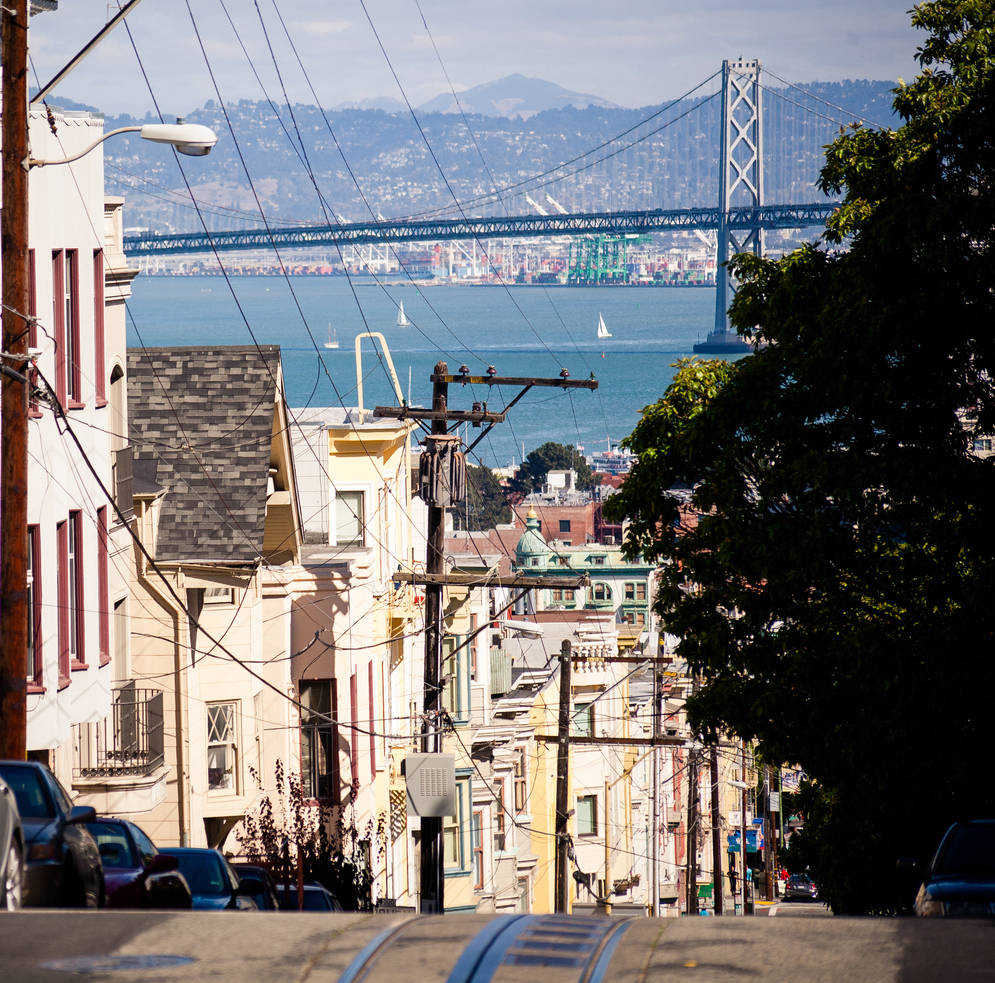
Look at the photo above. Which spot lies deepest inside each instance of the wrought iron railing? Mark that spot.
(128, 742)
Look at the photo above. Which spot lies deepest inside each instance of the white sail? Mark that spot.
(333, 339)
(402, 318)
(603, 331)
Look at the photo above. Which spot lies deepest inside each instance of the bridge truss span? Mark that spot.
(494, 227)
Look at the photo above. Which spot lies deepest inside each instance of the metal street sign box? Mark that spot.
(431, 784)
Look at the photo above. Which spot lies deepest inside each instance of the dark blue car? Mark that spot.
(213, 882)
(960, 880)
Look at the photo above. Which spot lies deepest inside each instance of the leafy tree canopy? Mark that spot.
(486, 505)
(552, 456)
(836, 593)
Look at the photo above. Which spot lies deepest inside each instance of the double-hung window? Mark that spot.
(100, 386)
(319, 739)
(477, 849)
(583, 718)
(70, 582)
(587, 815)
(34, 666)
(222, 747)
(520, 783)
(350, 518)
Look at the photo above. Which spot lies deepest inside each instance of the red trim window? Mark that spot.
(103, 592)
(62, 546)
(33, 409)
(34, 666)
(100, 385)
(59, 322)
(74, 569)
(74, 354)
(373, 730)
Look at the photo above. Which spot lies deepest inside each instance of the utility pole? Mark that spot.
(562, 897)
(433, 881)
(692, 836)
(655, 812)
(768, 840)
(15, 386)
(443, 484)
(742, 822)
(716, 833)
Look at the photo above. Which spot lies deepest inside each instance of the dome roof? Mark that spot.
(531, 551)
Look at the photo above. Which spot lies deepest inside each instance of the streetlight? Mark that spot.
(191, 139)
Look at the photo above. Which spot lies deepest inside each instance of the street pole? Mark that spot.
(14, 409)
(433, 880)
(768, 839)
(692, 837)
(742, 822)
(716, 834)
(655, 814)
(562, 899)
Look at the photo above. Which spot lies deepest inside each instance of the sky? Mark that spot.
(637, 53)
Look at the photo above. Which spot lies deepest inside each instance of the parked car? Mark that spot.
(316, 898)
(11, 850)
(960, 880)
(63, 866)
(136, 874)
(800, 887)
(213, 882)
(266, 900)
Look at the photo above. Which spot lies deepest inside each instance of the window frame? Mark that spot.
(590, 799)
(319, 786)
(99, 339)
(477, 848)
(35, 680)
(33, 408)
(232, 744)
(103, 589)
(583, 718)
(338, 493)
(76, 635)
(74, 352)
(59, 321)
(520, 783)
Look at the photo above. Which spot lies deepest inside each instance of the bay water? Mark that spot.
(521, 331)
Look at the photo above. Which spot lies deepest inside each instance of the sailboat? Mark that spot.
(603, 331)
(402, 318)
(333, 340)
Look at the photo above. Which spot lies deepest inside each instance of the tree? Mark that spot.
(836, 593)
(486, 504)
(552, 456)
(311, 838)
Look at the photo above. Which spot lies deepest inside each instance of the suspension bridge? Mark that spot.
(739, 220)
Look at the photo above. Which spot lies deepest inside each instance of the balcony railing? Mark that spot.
(128, 742)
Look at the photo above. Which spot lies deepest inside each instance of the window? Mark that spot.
(583, 718)
(601, 592)
(70, 582)
(354, 716)
(219, 595)
(453, 847)
(630, 591)
(587, 815)
(599, 561)
(221, 747)
(34, 665)
(473, 645)
(67, 297)
(477, 849)
(499, 827)
(121, 663)
(520, 783)
(319, 739)
(32, 327)
(103, 593)
(59, 322)
(100, 394)
(564, 525)
(350, 518)
(372, 726)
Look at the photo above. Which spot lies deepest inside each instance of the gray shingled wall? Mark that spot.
(201, 423)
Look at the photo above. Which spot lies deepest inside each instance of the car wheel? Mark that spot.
(74, 893)
(13, 879)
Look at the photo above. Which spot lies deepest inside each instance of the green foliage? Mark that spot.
(836, 592)
(311, 836)
(552, 456)
(486, 505)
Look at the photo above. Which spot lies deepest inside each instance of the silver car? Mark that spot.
(11, 850)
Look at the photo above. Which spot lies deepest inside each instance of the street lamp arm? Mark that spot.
(191, 139)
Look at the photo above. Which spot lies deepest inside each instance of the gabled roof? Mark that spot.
(201, 423)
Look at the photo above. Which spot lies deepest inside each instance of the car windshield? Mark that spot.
(114, 845)
(204, 873)
(32, 800)
(969, 849)
(316, 901)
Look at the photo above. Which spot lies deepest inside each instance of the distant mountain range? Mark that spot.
(514, 96)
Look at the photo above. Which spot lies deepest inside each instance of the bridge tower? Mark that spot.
(741, 184)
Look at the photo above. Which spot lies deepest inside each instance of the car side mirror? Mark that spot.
(82, 814)
(249, 886)
(162, 863)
